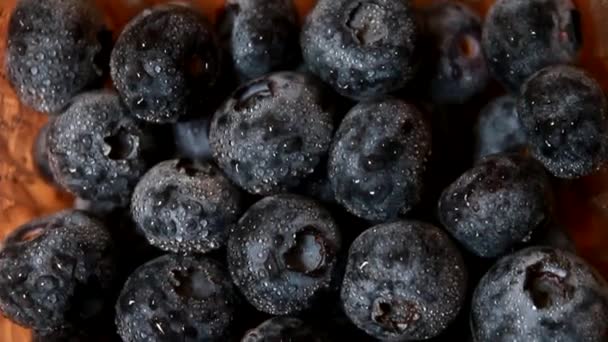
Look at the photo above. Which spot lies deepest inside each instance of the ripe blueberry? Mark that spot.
(363, 49)
(184, 206)
(563, 112)
(97, 151)
(520, 37)
(55, 50)
(56, 271)
(282, 254)
(404, 281)
(177, 298)
(540, 294)
(261, 36)
(165, 62)
(378, 159)
(496, 205)
(272, 132)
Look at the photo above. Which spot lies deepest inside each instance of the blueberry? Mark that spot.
(498, 128)
(261, 36)
(563, 111)
(496, 205)
(272, 132)
(363, 49)
(56, 271)
(192, 139)
(457, 69)
(183, 206)
(404, 281)
(540, 294)
(97, 151)
(177, 298)
(165, 62)
(378, 159)
(282, 254)
(520, 37)
(280, 329)
(40, 153)
(54, 51)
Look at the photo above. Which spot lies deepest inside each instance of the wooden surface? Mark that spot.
(24, 195)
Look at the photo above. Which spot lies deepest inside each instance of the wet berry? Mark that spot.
(272, 132)
(378, 159)
(282, 254)
(97, 151)
(563, 112)
(404, 281)
(185, 206)
(363, 49)
(520, 37)
(540, 294)
(177, 298)
(165, 62)
(497, 205)
(55, 51)
(262, 36)
(56, 271)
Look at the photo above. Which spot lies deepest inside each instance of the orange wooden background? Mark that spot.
(24, 195)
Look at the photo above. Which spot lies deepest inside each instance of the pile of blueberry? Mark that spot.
(262, 180)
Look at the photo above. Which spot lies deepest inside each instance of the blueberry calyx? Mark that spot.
(192, 283)
(120, 145)
(547, 287)
(394, 315)
(366, 24)
(187, 166)
(309, 254)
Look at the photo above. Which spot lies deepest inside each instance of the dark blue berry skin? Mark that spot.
(40, 153)
(272, 132)
(363, 49)
(54, 51)
(378, 159)
(177, 298)
(404, 281)
(56, 271)
(457, 69)
(540, 294)
(282, 254)
(97, 151)
(165, 62)
(192, 139)
(520, 37)
(497, 205)
(498, 128)
(186, 207)
(279, 329)
(563, 112)
(262, 36)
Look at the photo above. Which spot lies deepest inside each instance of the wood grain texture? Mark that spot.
(24, 194)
